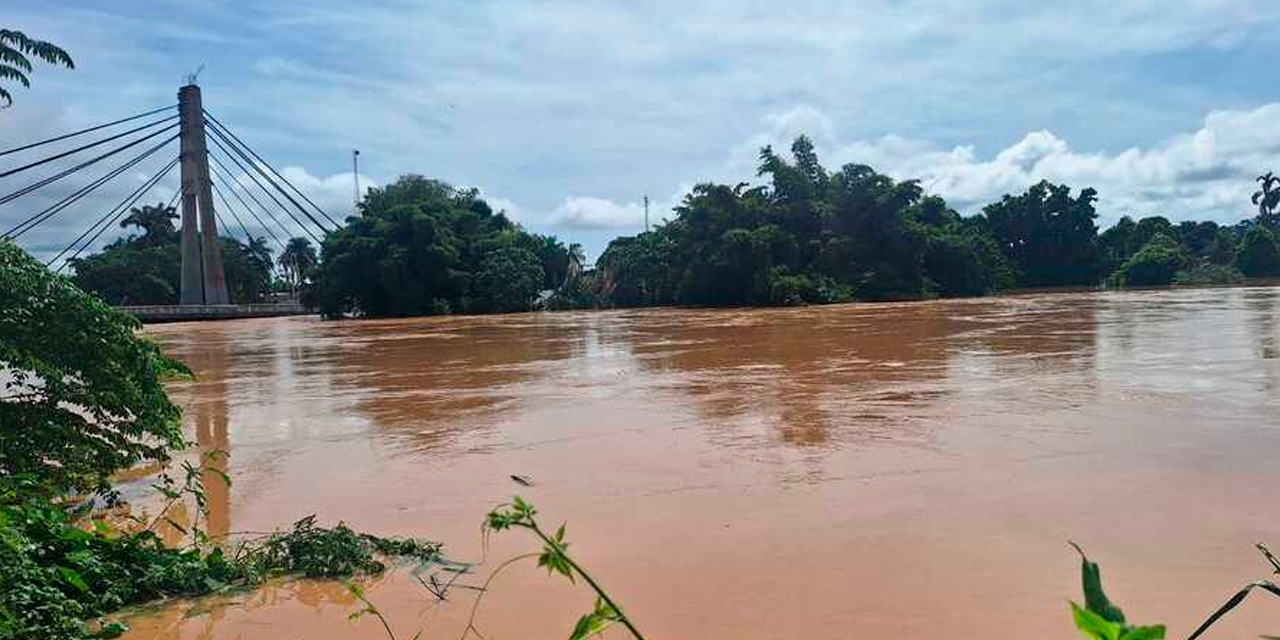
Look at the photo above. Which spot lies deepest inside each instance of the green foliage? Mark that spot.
(1047, 235)
(1208, 274)
(554, 556)
(146, 268)
(1100, 619)
(1258, 255)
(85, 396)
(16, 51)
(509, 280)
(1156, 263)
(965, 262)
(422, 246)
(57, 574)
(298, 261)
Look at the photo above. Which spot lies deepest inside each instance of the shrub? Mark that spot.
(85, 396)
(1258, 255)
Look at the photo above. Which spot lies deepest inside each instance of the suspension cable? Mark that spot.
(37, 219)
(265, 190)
(83, 131)
(218, 124)
(117, 211)
(269, 179)
(231, 186)
(227, 205)
(58, 176)
(87, 146)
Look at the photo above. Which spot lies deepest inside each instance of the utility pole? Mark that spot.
(203, 280)
(646, 213)
(355, 175)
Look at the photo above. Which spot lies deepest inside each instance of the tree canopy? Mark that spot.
(83, 396)
(422, 246)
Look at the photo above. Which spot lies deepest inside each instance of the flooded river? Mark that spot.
(857, 471)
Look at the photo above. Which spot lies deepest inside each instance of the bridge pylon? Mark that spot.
(203, 279)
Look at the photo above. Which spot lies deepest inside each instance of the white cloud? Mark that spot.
(1206, 174)
(598, 214)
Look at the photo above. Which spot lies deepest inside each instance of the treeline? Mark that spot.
(807, 235)
(814, 236)
(145, 268)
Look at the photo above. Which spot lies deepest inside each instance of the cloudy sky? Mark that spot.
(567, 113)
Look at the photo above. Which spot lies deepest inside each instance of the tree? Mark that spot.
(84, 397)
(15, 47)
(509, 280)
(1258, 255)
(155, 221)
(1268, 200)
(1156, 263)
(419, 247)
(1049, 236)
(298, 260)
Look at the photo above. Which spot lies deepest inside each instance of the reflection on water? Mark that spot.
(892, 468)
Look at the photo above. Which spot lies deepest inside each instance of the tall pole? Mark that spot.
(646, 213)
(203, 280)
(355, 175)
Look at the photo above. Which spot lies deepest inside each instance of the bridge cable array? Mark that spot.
(218, 124)
(253, 169)
(221, 173)
(88, 130)
(254, 179)
(56, 208)
(257, 167)
(112, 216)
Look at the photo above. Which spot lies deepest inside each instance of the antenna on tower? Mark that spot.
(191, 78)
(646, 213)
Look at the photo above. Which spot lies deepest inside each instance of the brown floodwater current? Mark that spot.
(906, 470)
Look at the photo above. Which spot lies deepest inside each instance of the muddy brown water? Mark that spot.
(859, 471)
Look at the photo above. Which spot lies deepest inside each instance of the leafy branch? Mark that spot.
(555, 557)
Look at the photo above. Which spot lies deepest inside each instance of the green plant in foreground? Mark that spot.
(1100, 618)
(554, 555)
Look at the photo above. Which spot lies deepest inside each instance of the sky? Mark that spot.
(566, 114)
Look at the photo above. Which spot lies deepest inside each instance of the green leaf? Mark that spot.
(1095, 600)
(73, 578)
(1155, 632)
(1094, 625)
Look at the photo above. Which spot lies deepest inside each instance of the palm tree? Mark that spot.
(297, 259)
(156, 222)
(576, 259)
(14, 64)
(1267, 199)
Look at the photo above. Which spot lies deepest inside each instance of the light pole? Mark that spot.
(355, 175)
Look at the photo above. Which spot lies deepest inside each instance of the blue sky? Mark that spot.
(566, 113)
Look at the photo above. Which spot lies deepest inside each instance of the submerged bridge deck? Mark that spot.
(189, 312)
